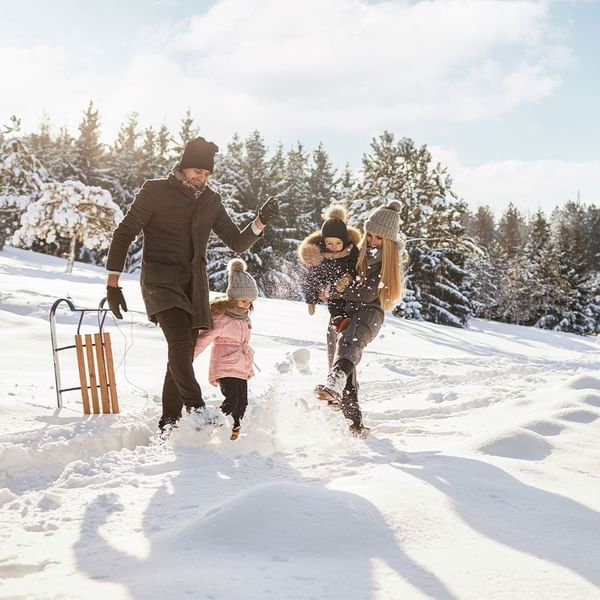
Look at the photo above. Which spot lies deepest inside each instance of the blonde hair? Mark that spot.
(393, 259)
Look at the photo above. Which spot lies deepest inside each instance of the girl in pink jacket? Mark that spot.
(231, 354)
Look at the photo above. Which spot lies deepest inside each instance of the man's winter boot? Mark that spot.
(333, 388)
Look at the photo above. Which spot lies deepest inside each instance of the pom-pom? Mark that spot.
(336, 212)
(394, 205)
(236, 264)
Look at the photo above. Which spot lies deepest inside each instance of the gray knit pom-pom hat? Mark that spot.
(241, 285)
(385, 221)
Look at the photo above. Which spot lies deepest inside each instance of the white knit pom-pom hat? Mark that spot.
(385, 221)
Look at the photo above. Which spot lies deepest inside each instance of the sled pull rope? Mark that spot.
(128, 346)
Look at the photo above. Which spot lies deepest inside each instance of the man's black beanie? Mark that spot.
(199, 154)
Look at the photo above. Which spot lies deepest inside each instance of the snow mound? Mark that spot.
(523, 445)
(34, 459)
(545, 427)
(578, 416)
(285, 518)
(592, 399)
(584, 382)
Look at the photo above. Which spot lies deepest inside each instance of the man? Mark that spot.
(176, 216)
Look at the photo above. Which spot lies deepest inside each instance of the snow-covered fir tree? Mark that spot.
(56, 152)
(515, 274)
(187, 131)
(483, 273)
(345, 190)
(124, 161)
(229, 181)
(21, 178)
(246, 177)
(512, 232)
(322, 184)
(569, 235)
(548, 291)
(482, 228)
(431, 219)
(84, 215)
(89, 154)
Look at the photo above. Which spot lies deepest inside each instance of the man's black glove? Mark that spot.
(268, 210)
(116, 300)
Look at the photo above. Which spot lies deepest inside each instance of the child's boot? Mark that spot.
(235, 432)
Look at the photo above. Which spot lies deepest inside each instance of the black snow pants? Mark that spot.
(180, 386)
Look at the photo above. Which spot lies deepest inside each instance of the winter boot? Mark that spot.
(333, 388)
(206, 416)
(359, 431)
(235, 432)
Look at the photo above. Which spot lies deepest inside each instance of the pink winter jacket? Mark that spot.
(231, 354)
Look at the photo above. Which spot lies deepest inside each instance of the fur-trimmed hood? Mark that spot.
(311, 255)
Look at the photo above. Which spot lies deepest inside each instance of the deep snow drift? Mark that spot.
(480, 479)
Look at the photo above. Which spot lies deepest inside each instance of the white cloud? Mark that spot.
(320, 66)
(530, 185)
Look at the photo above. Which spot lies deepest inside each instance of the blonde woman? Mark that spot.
(377, 288)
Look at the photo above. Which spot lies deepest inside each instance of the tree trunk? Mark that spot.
(71, 257)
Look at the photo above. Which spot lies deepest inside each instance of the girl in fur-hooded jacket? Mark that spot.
(328, 254)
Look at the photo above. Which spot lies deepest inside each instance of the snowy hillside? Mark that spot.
(481, 478)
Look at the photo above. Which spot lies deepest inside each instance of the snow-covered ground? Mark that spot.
(481, 478)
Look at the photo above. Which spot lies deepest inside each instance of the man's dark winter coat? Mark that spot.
(176, 223)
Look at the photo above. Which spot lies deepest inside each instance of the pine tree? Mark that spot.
(482, 228)
(187, 131)
(514, 275)
(322, 185)
(21, 178)
(84, 215)
(547, 293)
(431, 218)
(570, 240)
(232, 186)
(56, 153)
(246, 177)
(345, 191)
(512, 232)
(297, 214)
(89, 155)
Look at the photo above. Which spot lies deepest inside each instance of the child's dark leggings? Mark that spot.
(236, 397)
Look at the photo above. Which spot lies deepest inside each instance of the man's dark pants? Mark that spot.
(180, 386)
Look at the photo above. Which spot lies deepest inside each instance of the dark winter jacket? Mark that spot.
(364, 308)
(323, 268)
(176, 222)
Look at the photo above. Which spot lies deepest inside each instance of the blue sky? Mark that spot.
(505, 93)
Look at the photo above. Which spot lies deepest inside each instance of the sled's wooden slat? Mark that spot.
(89, 349)
(82, 375)
(101, 373)
(110, 371)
